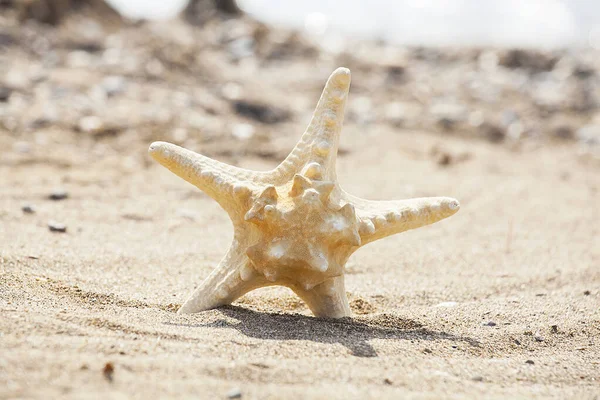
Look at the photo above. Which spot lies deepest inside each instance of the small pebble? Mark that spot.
(242, 47)
(444, 159)
(108, 371)
(387, 381)
(58, 194)
(587, 293)
(28, 209)
(5, 93)
(539, 339)
(476, 119)
(113, 85)
(564, 132)
(267, 114)
(529, 362)
(56, 227)
(234, 393)
(242, 131)
(477, 378)
(589, 134)
(490, 323)
(90, 124)
(554, 328)
(447, 113)
(492, 132)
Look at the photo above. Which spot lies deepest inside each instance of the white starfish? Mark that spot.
(294, 225)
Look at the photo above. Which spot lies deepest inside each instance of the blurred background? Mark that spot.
(231, 78)
(218, 75)
(548, 23)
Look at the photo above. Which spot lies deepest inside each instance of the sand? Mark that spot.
(501, 300)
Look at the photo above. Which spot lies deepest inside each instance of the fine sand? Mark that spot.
(522, 255)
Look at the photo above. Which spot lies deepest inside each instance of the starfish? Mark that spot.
(294, 225)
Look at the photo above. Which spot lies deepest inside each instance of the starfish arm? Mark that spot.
(328, 299)
(316, 151)
(224, 183)
(379, 219)
(231, 279)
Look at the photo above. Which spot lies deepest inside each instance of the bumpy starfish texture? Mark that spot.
(295, 226)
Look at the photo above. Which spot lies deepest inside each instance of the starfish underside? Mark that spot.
(295, 226)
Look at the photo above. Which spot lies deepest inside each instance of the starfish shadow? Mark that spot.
(353, 333)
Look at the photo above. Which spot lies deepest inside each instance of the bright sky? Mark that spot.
(437, 22)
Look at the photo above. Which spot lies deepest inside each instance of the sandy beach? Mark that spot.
(502, 300)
